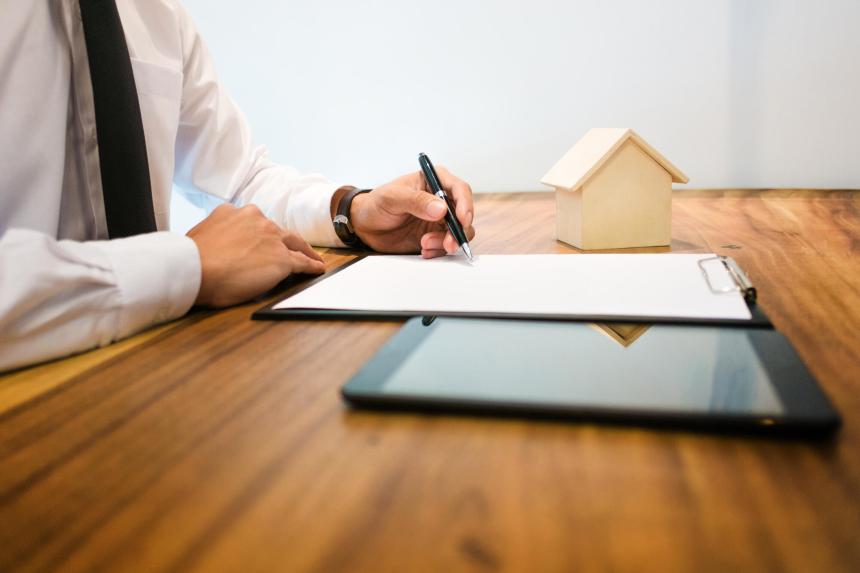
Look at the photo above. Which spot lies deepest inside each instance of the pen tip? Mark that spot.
(468, 252)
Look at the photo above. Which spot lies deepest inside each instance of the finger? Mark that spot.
(301, 263)
(416, 202)
(461, 193)
(450, 244)
(294, 242)
(437, 240)
(432, 253)
(433, 240)
(470, 233)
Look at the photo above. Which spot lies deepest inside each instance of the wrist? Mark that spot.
(337, 198)
(347, 209)
(356, 211)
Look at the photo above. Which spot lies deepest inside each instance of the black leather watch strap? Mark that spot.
(341, 222)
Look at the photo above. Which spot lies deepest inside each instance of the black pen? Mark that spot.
(451, 218)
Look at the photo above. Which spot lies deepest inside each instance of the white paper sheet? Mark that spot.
(640, 285)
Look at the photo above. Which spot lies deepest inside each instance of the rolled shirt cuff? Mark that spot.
(158, 275)
(310, 215)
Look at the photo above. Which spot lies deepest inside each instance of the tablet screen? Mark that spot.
(641, 367)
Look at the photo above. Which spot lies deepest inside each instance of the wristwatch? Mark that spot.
(342, 225)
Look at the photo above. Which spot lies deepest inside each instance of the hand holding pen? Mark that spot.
(451, 220)
(402, 217)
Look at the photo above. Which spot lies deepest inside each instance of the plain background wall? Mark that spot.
(737, 93)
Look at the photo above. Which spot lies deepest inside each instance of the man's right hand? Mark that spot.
(244, 254)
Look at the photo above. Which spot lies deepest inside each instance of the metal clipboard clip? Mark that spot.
(740, 281)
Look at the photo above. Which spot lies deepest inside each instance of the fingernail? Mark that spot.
(469, 217)
(437, 208)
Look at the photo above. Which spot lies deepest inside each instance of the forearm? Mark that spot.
(62, 297)
(303, 204)
(216, 156)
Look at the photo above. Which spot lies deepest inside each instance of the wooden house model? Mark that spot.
(613, 191)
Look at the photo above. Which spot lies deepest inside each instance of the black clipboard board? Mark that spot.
(758, 318)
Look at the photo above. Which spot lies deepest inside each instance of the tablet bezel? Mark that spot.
(807, 411)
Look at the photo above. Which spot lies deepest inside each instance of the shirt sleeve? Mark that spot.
(62, 297)
(216, 156)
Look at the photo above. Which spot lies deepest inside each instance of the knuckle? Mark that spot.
(252, 210)
(223, 209)
(265, 228)
(275, 240)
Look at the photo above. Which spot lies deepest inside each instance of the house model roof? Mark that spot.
(593, 150)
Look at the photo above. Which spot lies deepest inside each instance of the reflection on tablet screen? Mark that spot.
(630, 366)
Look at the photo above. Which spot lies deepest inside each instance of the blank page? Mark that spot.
(641, 285)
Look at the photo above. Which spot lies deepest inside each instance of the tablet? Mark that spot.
(747, 379)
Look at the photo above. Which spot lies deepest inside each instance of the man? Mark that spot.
(104, 106)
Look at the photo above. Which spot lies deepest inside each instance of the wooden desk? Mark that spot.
(217, 443)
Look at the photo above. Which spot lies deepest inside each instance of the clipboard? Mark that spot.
(740, 280)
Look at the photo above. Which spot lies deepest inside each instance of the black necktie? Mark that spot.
(122, 145)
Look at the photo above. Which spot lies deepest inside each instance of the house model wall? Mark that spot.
(613, 191)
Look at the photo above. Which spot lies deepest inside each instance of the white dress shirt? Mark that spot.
(63, 287)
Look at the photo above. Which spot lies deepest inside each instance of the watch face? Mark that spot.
(342, 225)
(343, 229)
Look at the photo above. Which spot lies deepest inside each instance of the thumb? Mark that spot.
(424, 205)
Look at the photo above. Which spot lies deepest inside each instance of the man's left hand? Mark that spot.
(404, 217)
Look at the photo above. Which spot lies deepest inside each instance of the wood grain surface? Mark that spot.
(216, 443)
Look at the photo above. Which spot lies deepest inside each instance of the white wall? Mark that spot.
(746, 93)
